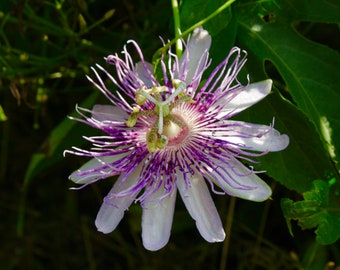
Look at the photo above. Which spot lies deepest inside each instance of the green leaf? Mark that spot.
(312, 10)
(316, 210)
(222, 43)
(308, 68)
(3, 116)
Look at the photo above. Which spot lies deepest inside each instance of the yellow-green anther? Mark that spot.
(176, 83)
(159, 89)
(131, 122)
(146, 95)
(143, 94)
(140, 99)
(162, 141)
(151, 140)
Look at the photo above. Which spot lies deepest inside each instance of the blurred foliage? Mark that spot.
(47, 47)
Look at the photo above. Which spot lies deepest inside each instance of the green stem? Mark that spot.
(177, 24)
(190, 29)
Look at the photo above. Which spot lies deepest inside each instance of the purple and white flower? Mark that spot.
(175, 135)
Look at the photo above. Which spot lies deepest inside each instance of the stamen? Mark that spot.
(155, 138)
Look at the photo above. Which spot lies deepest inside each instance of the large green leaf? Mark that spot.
(309, 69)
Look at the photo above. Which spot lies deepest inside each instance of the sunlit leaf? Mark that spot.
(308, 68)
(316, 210)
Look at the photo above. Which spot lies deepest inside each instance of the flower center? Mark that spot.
(174, 132)
(168, 128)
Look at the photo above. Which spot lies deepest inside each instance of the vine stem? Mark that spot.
(177, 26)
(178, 36)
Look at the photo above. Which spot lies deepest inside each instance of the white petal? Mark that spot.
(112, 209)
(94, 164)
(157, 220)
(250, 95)
(145, 75)
(257, 190)
(108, 113)
(254, 137)
(198, 45)
(201, 207)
